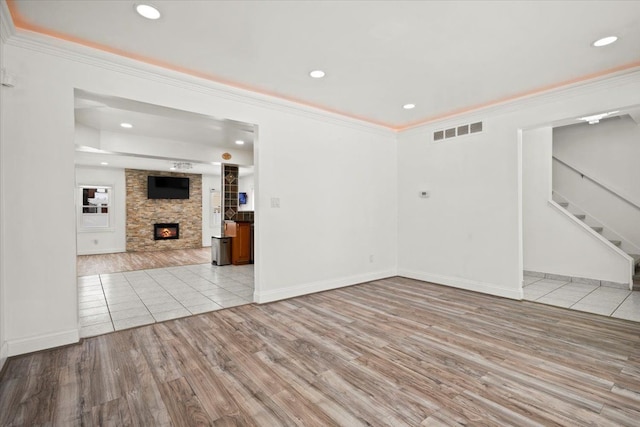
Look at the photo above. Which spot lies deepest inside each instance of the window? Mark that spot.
(95, 208)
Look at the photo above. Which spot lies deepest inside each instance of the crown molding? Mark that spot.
(608, 81)
(112, 62)
(121, 64)
(7, 29)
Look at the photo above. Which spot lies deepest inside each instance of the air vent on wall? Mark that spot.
(457, 131)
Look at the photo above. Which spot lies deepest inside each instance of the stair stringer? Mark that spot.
(603, 240)
(610, 234)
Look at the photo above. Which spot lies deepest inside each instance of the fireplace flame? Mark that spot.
(165, 231)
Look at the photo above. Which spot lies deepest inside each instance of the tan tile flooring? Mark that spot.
(115, 301)
(603, 300)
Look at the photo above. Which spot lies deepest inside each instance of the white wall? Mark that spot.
(246, 185)
(3, 299)
(40, 288)
(555, 242)
(608, 153)
(86, 136)
(114, 239)
(314, 241)
(344, 230)
(469, 233)
(209, 182)
(347, 230)
(619, 218)
(466, 233)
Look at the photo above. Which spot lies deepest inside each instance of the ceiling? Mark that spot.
(443, 56)
(163, 125)
(632, 113)
(107, 113)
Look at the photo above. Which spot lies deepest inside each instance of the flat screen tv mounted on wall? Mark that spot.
(167, 187)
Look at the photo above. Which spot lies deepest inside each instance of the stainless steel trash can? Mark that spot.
(221, 250)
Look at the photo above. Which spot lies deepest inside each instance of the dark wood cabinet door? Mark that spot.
(241, 244)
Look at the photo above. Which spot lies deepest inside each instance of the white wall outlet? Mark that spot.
(370, 258)
(424, 194)
(275, 202)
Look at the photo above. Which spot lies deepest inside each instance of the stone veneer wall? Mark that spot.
(142, 213)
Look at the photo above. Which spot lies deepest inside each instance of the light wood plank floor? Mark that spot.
(88, 265)
(392, 352)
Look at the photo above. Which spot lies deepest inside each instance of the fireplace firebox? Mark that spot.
(166, 231)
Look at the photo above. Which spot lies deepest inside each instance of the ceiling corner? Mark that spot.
(7, 27)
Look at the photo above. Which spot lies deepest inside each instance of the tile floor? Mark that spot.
(116, 301)
(603, 300)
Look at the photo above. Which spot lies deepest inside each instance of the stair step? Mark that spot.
(616, 242)
(597, 229)
(580, 216)
(564, 204)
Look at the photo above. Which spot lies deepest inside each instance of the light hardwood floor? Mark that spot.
(392, 352)
(88, 265)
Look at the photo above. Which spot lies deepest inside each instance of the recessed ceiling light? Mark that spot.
(239, 142)
(317, 74)
(409, 106)
(104, 163)
(126, 125)
(605, 41)
(172, 168)
(148, 11)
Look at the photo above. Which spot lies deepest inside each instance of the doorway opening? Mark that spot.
(581, 246)
(152, 260)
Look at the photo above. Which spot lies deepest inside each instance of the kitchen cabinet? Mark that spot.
(240, 243)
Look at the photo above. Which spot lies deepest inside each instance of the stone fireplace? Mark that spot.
(166, 231)
(145, 215)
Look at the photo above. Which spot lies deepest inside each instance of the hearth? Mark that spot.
(166, 231)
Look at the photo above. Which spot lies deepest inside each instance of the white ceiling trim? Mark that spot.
(536, 99)
(110, 61)
(7, 29)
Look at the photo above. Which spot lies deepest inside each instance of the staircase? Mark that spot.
(591, 222)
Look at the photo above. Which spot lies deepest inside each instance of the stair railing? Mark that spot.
(597, 183)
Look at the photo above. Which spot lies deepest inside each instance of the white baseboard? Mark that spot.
(458, 282)
(103, 251)
(324, 285)
(42, 342)
(4, 351)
